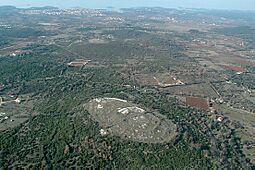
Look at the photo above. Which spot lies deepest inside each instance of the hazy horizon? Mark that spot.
(210, 4)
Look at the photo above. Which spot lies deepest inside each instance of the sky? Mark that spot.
(209, 4)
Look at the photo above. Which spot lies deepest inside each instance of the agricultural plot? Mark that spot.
(201, 75)
(124, 119)
(161, 80)
(78, 63)
(198, 90)
(98, 41)
(234, 68)
(145, 79)
(209, 64)
(197, 102)
(235, 96)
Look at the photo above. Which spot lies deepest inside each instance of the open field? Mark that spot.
(237, 96)
(234, 68)
(196, 90)
(196, 102)
(160, 80)
(78, 63)
(97, 41)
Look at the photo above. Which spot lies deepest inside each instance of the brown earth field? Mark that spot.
(197, 102)
(235, 68)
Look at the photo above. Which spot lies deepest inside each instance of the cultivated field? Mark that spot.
(161, 80)
(197, 102)
(197, 90)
